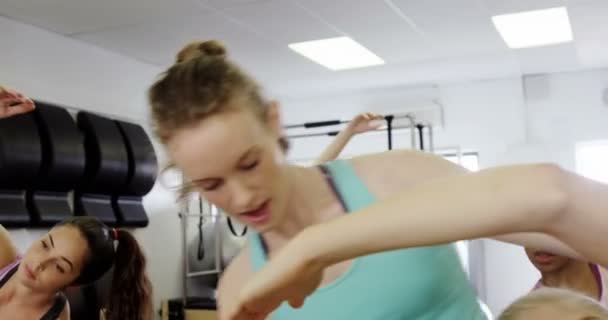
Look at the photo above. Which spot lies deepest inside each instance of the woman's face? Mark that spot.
(234, 161)
(54, 261)
(547, 262)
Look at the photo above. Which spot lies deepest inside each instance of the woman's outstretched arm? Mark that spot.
(505, 200)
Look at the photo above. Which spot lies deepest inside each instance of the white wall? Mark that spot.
(60, 70)
(562, 110)
(485, 116)
(57, 69)
(506, 121)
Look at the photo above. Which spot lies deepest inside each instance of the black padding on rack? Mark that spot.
(63, 156)
(100, 290)
(48, 208)
(20, 160)
(107, 166)
(130, 211)
(193, 303)
(143, 165)
(95, 205)
(20, 152)
(13, 209)
(81, 306)
(321, 123)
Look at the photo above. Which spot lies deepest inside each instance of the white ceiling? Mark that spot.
(423, 41)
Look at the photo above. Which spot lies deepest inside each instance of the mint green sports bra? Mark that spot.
(425, 283)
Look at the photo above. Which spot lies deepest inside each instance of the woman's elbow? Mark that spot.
(551, 186)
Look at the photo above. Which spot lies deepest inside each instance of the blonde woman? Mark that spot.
(555, 304)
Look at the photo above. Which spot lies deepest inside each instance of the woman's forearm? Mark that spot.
(8, 253)
(332, 151)
(513, 199)
(540, 241)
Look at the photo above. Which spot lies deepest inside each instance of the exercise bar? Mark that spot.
(389, 128)
(326, 123)
(420, 128)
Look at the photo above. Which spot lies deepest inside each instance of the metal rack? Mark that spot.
(416, 129)
(185, 215)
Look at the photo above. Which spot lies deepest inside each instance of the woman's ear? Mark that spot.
(273, 118)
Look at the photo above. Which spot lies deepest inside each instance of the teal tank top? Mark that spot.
(425, 283)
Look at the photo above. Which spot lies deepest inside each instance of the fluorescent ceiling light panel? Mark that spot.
(534, 28)
(337, 53)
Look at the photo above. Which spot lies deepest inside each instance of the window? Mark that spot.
(592, 160)
(469, 160)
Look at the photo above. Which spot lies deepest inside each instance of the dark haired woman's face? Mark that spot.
(54, 261)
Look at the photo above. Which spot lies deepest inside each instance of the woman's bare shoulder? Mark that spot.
(387, 172)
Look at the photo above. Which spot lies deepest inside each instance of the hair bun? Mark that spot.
(198, 49)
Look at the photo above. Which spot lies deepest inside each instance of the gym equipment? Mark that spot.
(106, 167)
(121, 167)
(63, 157)
(143, 166)
(233, 230)
(13, 209)
(420, 128)
(210, 251)
(20, 161)
(390, 126)
(129, 211)
(45, 154)
(201, 250)
(63, 161)
(95, 205)
(389, 130)
(141, 176)
(199, 308)
(81, 306)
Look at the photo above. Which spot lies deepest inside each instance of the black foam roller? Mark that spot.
(63, 157)
(20, 152)
(106, 168)
(20, 160)
(130, 211)
(95, 205)
(48, 208)
(13, 209)
(143, 165)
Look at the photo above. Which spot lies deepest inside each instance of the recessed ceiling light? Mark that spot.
(534, 28)
(337, 53)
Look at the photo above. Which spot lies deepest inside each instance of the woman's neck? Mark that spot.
(19, 294)
(576, 275)
(310, 201)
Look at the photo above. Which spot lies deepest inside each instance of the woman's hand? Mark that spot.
(364, 122)
(12, 103)
(291, 276)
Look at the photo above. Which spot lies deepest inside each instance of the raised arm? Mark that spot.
(13, 102)
(363, 122)
(507, 200)
(8, 252)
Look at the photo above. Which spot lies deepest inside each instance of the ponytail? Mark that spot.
(131, 292)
